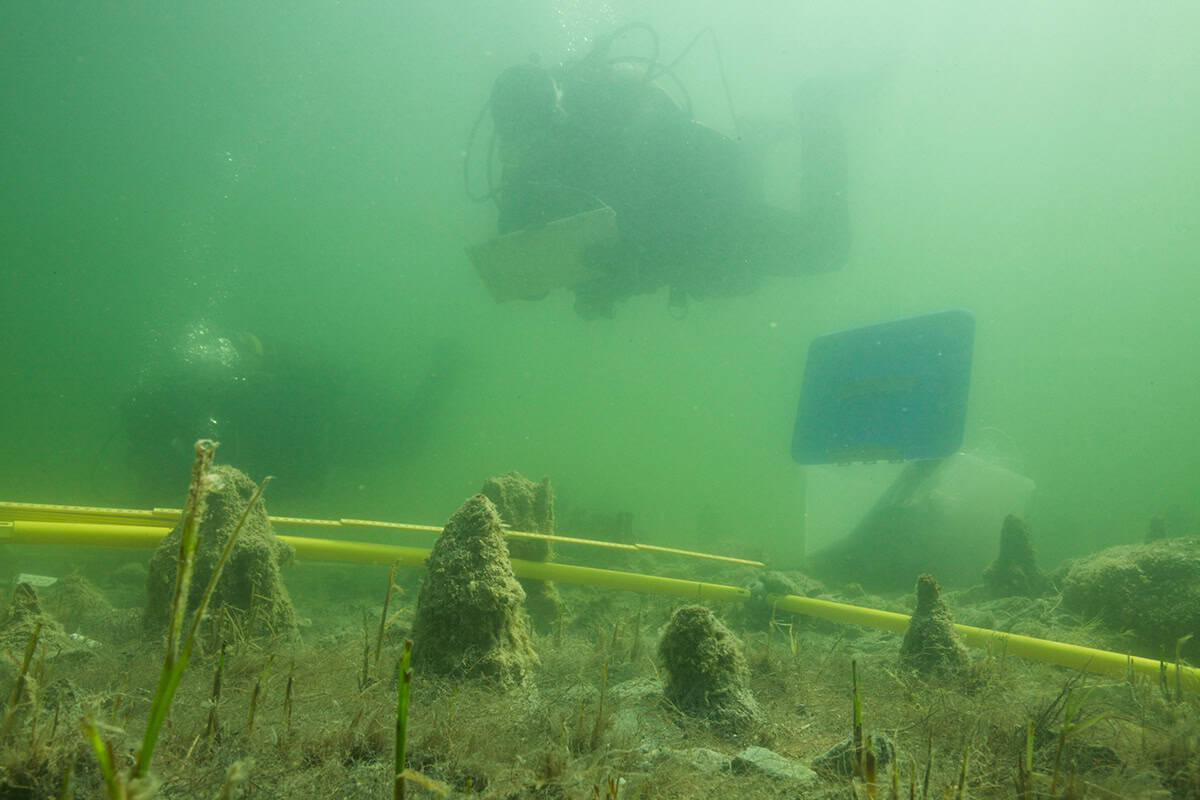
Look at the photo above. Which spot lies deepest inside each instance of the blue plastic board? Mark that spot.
(890, 392)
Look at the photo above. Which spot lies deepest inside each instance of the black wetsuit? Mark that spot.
(687, 198)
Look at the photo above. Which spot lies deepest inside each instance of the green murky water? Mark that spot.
(295, 172)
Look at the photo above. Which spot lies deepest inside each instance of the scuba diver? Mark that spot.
(274, 410)
(270, 413)
(601, 165)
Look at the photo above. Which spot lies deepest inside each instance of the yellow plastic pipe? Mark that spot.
(157, 517)
(85, 534)
(110, 535)
(357, 552)
(629, 581)
(1072, 656)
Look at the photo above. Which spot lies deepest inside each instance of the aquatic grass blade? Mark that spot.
(404, 686)
(383, 616)
(189, 536)
(14, 700)
(857, 741)
(189, 540)
(112, 782)
(176, 661)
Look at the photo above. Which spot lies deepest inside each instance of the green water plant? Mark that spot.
(635, 646)
(137, 781)
(210, 730)
(1071, 726)
(857, 741)
(601, 723)
(383, 617)
(18, 690)
(257, 694)
(870, 769)
(560, 622)
(1024, 776)
(960, 794)
(1179, 643)
(404, 686)
(287, 698)
(928, 765)
(66, 789)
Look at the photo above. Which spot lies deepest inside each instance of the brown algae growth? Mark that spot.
(629, 696)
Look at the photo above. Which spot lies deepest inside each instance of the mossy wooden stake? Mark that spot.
(404, 686)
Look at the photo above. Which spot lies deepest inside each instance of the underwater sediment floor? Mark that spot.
(316, 717)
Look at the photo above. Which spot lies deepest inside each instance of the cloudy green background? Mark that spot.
(295, 169)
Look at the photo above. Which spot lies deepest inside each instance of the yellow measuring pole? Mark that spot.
(81, 534)
(41, 512)
(1072, 656)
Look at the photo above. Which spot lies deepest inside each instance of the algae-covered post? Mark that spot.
(931, 646)
(528, 506)
(252, 578)
(706, 673)
(1015, 572)
(469, 620)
